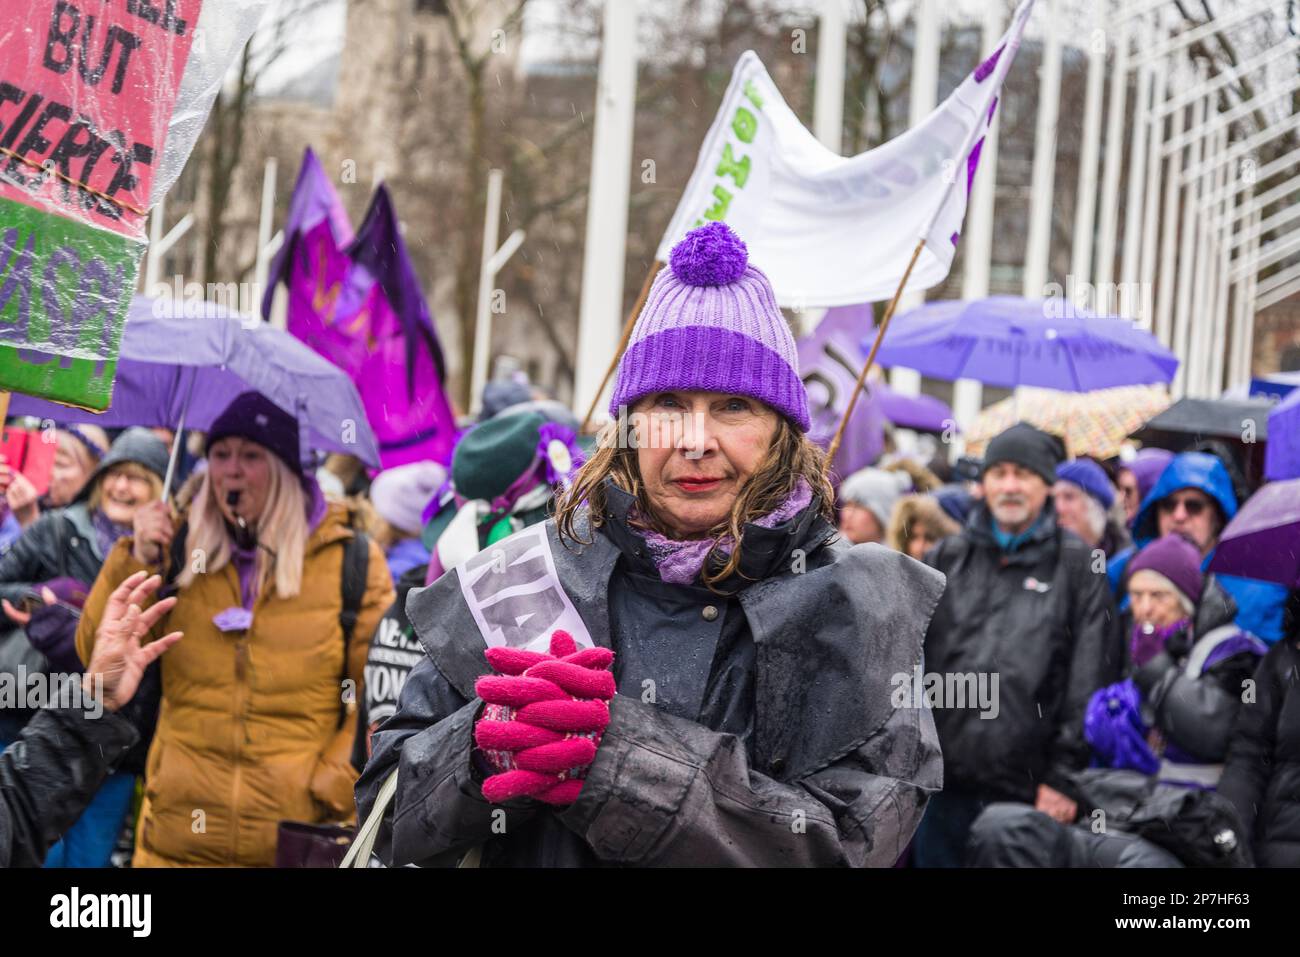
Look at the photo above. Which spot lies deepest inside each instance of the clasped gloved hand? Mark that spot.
(543, 719)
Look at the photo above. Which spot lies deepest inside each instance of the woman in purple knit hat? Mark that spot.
(686, 666)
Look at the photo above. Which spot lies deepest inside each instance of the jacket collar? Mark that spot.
(1040, 536)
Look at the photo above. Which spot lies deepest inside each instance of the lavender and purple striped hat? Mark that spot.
(711, 323)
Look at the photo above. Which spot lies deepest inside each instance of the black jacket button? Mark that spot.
(778, 765)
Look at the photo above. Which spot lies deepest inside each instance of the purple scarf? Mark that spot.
(107, 531)
(680, 561)
(1145, 645)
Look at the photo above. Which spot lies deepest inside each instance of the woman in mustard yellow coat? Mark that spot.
(253, 727)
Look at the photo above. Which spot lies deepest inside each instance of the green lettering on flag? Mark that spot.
(65, 288)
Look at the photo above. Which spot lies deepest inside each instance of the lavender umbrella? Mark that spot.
(179, 370)
(1009, 341)
(1282, 454)
(1263, 539)
(923, 413)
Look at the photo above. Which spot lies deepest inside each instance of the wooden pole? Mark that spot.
(622, 345)
(871, 357)
(4, 406)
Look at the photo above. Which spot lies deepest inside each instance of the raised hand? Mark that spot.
(119, 660)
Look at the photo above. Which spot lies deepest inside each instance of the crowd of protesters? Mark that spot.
(722, 629)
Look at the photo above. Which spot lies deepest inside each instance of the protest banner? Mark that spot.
(89, 93)
(830, 230)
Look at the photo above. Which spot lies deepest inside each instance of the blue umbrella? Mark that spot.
(1009, 341)
(182, 363)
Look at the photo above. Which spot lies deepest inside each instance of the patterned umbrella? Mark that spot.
(1090, 423)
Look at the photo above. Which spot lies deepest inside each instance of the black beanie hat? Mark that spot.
(1024, 445)
(255, 417)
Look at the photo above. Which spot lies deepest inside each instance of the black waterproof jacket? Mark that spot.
(49, 775)
(751, 730)
(59, 544)
(1041, 619)
(1262, 774)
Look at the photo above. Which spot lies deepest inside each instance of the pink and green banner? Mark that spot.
(100, 104)
(64, 291)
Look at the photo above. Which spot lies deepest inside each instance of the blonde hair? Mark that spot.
(133, 469)
(791, 456)
(282, 526)
(913, 510)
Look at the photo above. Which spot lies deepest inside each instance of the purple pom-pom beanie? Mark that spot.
(711, 323)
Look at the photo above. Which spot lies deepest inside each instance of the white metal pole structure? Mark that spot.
(1109, 211)
(600, 316)
(828, 93)
(1038, 246)
(1146, 266)
(1085, 204)
(1169, 226)
(1251, 304)
(492, 260)
(160, 245)
(923, 99)
(1187, 251)
(1199, 316)
(1134, 204)
(1223, 245)
(967, 394)
(267, 245)
(828, 108)
(1238, 290)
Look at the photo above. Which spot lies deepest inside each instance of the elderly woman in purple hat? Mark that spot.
(1171, 719)
(686, 665)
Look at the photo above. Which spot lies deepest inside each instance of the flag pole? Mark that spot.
(871, 357)
(622, 345)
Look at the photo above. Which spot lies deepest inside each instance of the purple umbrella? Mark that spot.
(924, 413)
(1009, 341)
(179, 370)
(1282, 453)
(1263, 539)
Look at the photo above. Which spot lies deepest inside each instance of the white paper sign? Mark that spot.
(515, 595)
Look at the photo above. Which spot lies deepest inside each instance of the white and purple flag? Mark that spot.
(831, 230)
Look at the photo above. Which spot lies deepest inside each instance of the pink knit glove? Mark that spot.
(543, 719)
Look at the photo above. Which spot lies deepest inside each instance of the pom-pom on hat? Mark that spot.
(711, 323)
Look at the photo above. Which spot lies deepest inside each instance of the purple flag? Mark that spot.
(362, 308)
(829, 361)
(314, 199)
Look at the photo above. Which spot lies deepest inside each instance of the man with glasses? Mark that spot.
(1194, 497)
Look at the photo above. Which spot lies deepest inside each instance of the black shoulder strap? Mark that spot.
(176, 560)
(356, 569)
